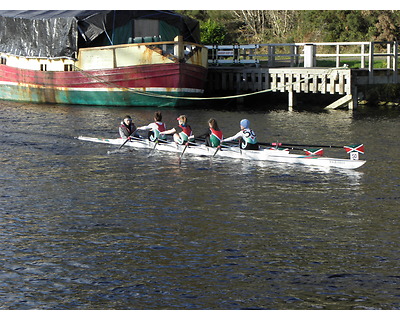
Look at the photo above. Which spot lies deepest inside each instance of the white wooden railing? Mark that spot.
(307, 54)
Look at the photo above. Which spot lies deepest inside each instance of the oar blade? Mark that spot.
(354, 148)
(181, 155)
(314, 152)
(154, 148)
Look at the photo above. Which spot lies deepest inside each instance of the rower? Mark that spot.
(183, 134)
(127, 129)
(155, 128)
(247, 138)
(213, 136)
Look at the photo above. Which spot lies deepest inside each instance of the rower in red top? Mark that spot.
(183, 133)
(155, 127)
(213, 136)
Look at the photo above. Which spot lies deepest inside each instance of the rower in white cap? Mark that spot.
(247, 138)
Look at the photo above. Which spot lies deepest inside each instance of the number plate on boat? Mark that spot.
(354, 156)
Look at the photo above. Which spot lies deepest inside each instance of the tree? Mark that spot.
(212, 32)
(281, 22)
(267, 25)
(280, 26)
(254, 23)
(386, 27)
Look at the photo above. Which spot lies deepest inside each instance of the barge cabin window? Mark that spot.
(68, 67)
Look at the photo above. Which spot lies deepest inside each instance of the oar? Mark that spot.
(155, 145)
(348, 148)
(308, 150)
(283, 144)
(275, 145)
(218, 148)
(124, 142)
(132, 138)
(266, 144)
(181, 155)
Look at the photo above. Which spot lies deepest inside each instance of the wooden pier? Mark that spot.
(299, 68)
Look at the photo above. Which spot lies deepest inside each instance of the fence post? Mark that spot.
(236, 53)
(292, 57)
(214, 52)
(371, 62)
(296, 52)
(337, 56)
(362, 56)
(395, 60)
(271, 56)
(309, 55)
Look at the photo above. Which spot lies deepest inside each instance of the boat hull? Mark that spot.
(145, 85)
(271, 155)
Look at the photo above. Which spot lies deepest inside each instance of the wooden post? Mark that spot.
(346, 100)
(224, 84)
(253, 84)
(230, 80)
(306, 84)
(267, 80)
(395, 60)
(309, 55)
(353, 104)
(178, 48)
(371, 63)
(114, 58)
(315, 83)
(332, 80)
(282, 82)
(362, 56)
(238, 81)
(259, 85)
(291, 99)
(292, 56)
(323, 83)
(341, 83)
(294, 78)
(271, 56)
(337, 56)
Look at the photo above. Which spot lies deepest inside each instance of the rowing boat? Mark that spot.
(264, 154)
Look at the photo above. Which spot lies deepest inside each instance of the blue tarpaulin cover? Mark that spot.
(60, 33)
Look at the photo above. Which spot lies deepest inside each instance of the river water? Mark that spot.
(85, 226)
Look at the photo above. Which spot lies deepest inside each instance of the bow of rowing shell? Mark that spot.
(264, 154)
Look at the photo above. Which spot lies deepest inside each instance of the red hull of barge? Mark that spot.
(118, 86)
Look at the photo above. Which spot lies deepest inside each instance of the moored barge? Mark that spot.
(105, 58)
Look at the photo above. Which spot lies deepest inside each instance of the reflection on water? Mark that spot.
(85, 227)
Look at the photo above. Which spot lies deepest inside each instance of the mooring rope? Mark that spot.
(192, 98)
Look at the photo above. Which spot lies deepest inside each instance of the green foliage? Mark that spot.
(379, 64)
(212, 32)
(348, 25)
(278, 26)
